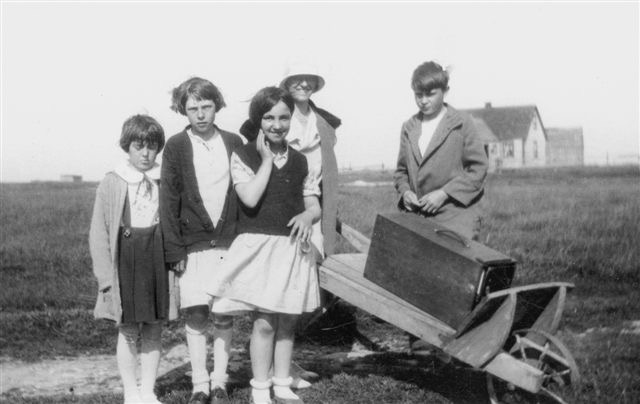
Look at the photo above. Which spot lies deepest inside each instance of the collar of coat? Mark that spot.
(451, 120)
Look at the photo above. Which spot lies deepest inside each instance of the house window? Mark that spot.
(493, 151)
(535, 124)
(507, 149)
(535, 149)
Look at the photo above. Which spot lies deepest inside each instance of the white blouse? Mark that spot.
(242, 173)
(304, 137)
(428, 129)
(142, 190)
(212, 172)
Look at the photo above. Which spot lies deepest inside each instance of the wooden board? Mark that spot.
(341, 274)
(480, 343)
(516, 372)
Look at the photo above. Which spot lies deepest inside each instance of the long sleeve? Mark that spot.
(401, 174)
(466, 186)
(99, 236)
(170, 205)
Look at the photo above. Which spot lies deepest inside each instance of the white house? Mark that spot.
(514, 136)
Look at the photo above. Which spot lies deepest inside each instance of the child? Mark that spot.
(127, 255)
(198, 217)
(270, 269)
(442, 163)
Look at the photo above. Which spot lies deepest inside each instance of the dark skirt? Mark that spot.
(144, 282)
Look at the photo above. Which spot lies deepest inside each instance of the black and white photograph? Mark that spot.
(320, 202)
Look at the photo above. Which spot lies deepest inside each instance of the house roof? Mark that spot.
(506, 123)
(484, 132)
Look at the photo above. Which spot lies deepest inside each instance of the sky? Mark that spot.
(72, 72)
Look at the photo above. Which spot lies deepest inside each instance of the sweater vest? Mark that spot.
(282, 199)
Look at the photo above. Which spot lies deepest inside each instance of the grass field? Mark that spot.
(573, 225)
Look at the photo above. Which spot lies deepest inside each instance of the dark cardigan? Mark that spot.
(186, 225)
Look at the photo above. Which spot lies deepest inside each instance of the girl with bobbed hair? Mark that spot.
(270, 270)
(128, 258)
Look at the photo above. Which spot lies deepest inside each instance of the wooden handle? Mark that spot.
(354, 237)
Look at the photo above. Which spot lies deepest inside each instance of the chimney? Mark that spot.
(487, 105)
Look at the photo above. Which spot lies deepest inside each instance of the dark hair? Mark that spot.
(199, 89)
(144, 129)
(264, 100)
(429, 76)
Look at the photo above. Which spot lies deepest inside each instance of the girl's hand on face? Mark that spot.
(301, 226)
(263, 147)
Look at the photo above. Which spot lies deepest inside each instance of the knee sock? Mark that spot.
(221, 353)
(260, 391)
(282, 388)
(197, 344)
(150, 358)
(126, 352)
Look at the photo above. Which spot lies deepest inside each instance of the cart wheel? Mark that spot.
(501, 392)
(545, 352)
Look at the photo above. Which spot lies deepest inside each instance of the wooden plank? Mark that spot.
(343, 281)
(485, 339)
(354, 237)
(514, 371)
(350, 266)
(549, 320)
(520, 289)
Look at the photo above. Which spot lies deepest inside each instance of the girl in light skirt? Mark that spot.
(270, 269)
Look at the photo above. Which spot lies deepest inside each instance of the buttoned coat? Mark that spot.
(186, 225)
(103, 245)
(329, 184)
(455, 161)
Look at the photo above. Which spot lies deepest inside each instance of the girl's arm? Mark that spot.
(251, 191)
(99, 239)
(301, 224)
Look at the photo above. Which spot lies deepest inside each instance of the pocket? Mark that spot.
(104, 305)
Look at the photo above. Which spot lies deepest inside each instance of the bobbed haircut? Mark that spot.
(198, 88)
(429, 76)
(264, 100)
(143, 129)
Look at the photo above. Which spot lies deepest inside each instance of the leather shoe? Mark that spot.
(219, 396)
(199, 398)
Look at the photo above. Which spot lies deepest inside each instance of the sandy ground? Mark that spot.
(99, 373)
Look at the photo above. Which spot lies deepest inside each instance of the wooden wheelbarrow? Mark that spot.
(507, 333)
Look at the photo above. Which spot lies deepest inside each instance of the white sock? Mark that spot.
(260, 391)
(126, 352)
(221, 353)
(150, 358)
(282, 388)
(197, 344)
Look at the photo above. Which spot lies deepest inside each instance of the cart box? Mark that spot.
(432, 267)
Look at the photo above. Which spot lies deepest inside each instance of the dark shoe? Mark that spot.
(199, 398)
(219, 396)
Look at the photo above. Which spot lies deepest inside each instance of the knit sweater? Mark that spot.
(186, 225)
(282, 199)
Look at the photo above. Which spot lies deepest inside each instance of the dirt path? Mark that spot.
(82, 375)
(99, 373)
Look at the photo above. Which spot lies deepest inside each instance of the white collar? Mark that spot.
(131, 174)
(201, 140)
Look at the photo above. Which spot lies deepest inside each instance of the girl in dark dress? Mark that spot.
(128, 260)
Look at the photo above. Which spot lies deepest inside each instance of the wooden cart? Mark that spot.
(509, 334)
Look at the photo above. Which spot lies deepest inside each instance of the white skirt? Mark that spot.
(266, 273)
